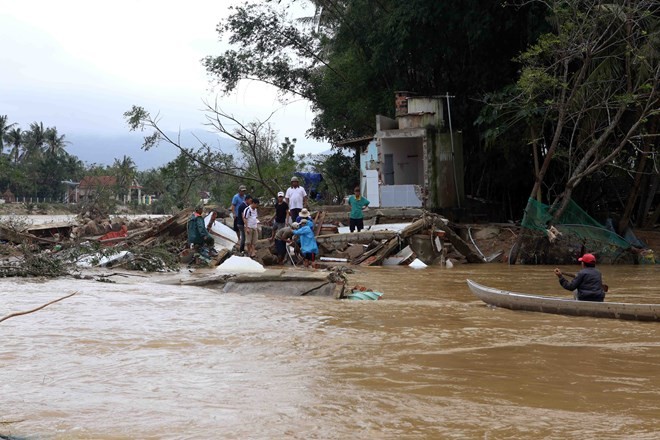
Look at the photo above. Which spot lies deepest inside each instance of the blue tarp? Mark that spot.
(311, 181)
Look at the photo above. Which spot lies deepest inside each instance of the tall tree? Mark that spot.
(596, 79)
(124, 171)
(4, 130)
(261, 163)
(33, 141)
(350, 58)
(15, 138)
(352, 55)
(54, 142)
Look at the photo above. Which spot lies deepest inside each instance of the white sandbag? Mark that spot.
(417, 264)
(235, 264)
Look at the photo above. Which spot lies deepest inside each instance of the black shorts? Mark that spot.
(309, 256)
(354, 223)
(280, 247)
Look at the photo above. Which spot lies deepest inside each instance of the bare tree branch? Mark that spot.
(37, 309)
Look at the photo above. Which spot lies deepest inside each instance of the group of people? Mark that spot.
(291, 220)
(587, 284)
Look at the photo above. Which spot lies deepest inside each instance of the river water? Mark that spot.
(142, 360)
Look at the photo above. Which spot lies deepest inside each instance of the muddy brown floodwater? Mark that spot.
(427, 361)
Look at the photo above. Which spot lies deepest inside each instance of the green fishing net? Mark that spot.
(577, 225)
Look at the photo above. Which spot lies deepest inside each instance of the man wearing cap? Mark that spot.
(296, 197)
(588, 281)
(279, 220)
(283, 235)
(240, 224)
(236, 201)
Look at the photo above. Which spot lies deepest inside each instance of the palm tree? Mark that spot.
(34, 141)
(54, 142)
(15, 138)
(4, 129)
(124, 171)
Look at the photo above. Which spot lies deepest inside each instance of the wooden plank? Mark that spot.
(390, 246)
(368, 254)
(318, 222)
(355, 237)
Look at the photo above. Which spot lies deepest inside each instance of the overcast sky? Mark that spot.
(79, 65)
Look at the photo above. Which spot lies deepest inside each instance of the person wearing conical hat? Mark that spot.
(306, 215)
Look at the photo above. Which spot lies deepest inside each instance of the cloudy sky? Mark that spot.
(79, 65)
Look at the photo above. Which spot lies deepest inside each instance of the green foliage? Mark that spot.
(353, 54)
(589, 89)
(124, 171)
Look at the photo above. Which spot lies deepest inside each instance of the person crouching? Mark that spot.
(282, 237)
(308, 246)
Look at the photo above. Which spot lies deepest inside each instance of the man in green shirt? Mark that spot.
(357, 204)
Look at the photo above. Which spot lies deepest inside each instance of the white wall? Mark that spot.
(408, 159)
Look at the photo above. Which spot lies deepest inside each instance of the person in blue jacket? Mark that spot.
(305, 214)
(308, 246)
(588, 281)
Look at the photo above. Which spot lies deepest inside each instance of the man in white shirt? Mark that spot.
(251, 220)
(296, 197)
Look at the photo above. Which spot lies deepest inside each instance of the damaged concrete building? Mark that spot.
(414, 160)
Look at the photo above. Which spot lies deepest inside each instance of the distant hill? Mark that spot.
(104, 149)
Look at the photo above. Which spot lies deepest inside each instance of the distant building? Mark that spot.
(8, 196)
(90, 186)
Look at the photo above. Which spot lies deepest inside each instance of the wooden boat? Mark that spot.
(565, 306)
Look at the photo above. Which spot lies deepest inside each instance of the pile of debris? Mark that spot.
(160, 245)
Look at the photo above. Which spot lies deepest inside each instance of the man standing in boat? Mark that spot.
(588, 281)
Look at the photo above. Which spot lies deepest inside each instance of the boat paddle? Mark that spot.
(605, 287)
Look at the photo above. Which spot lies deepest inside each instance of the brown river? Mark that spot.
(140, 360)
